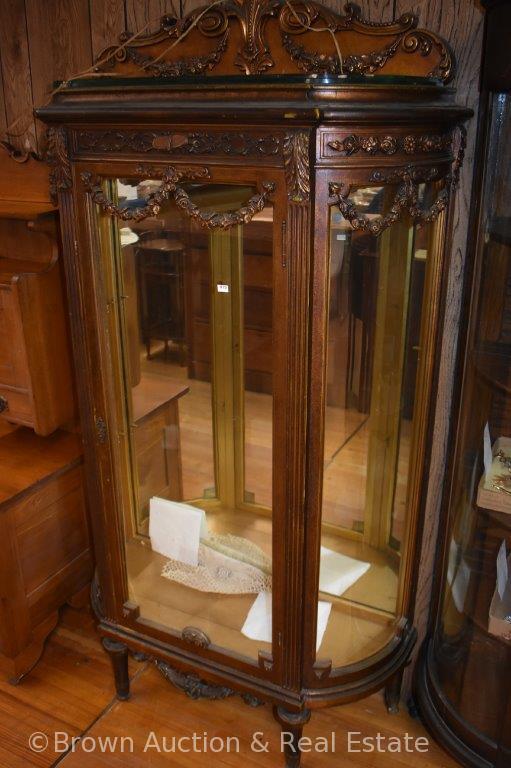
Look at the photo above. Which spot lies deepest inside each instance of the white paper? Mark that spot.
(258, 624)
(176, 529)
(502, 571)
(339, 572)
(488, 454)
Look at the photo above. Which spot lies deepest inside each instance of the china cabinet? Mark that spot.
(259, 535)
(464, 680)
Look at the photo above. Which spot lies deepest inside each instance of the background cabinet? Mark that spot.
(464, 679)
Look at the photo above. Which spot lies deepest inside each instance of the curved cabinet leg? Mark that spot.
(292, 728)
(393, 692)
(118, 653)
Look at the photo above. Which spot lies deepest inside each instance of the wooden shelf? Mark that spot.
(16, 209)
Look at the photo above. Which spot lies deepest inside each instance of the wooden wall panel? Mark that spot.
(3, 117)
(372, 10)
(16, 74)
(107, 21)
(145, 14)
(60, 44)
(463, 28)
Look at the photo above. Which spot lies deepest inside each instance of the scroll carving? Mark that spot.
(407, 196)
(296, 163)
(58, 160)
(167, 53)
(170, 188)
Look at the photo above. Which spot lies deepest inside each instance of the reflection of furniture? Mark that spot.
(160, 264)
(363, 280)
(258, 306)
(35, 375)
(463, 683)
(45, 559)
(155, 404)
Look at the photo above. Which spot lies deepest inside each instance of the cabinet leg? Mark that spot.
(393, 692)
(292, 728)
(118, 653)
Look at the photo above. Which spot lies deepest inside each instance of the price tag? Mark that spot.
(221, 288)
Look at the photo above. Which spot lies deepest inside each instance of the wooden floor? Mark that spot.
(71, 691)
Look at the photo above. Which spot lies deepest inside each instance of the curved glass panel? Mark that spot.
(191, 336)
(377, 287)
(471, 646)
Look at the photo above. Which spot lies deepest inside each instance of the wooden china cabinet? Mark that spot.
(271, 200)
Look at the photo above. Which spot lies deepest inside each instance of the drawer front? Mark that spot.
(18, 407)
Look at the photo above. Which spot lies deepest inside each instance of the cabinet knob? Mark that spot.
(4, 405)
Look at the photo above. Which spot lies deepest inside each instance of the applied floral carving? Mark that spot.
(296, 163)
(58, 160)
(389, 145)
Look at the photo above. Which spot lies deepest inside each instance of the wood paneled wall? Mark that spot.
(43, 41)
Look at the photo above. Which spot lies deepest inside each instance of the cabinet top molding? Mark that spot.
(278, 37)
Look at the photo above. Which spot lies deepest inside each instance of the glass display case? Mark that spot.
(256, 264)
(464, 680)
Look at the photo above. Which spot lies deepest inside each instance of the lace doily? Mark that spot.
(247, 572)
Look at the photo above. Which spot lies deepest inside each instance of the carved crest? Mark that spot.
(279, 37)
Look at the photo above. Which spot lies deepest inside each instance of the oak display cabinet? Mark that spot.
(256, 479)
(464, 680)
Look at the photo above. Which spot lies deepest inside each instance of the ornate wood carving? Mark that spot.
(170, 54)
(407, 196)
(192, 685)
(229, 143)
(296, 162)
(170, 188)
(196, 637)
(170, 177)
(58, 160)
(225, 220)
(389, 145)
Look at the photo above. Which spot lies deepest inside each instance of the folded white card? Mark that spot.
(339, 572)
(258, 624)
(175, 529)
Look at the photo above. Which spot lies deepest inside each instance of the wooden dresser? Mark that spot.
(46, 559)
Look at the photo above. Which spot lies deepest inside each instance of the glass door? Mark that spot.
(380, 291)
(191, 318)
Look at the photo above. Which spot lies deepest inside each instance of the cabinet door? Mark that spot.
(380, 307)
(193, 297)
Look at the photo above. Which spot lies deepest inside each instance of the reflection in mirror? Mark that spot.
(376, 290)
(195, 323)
